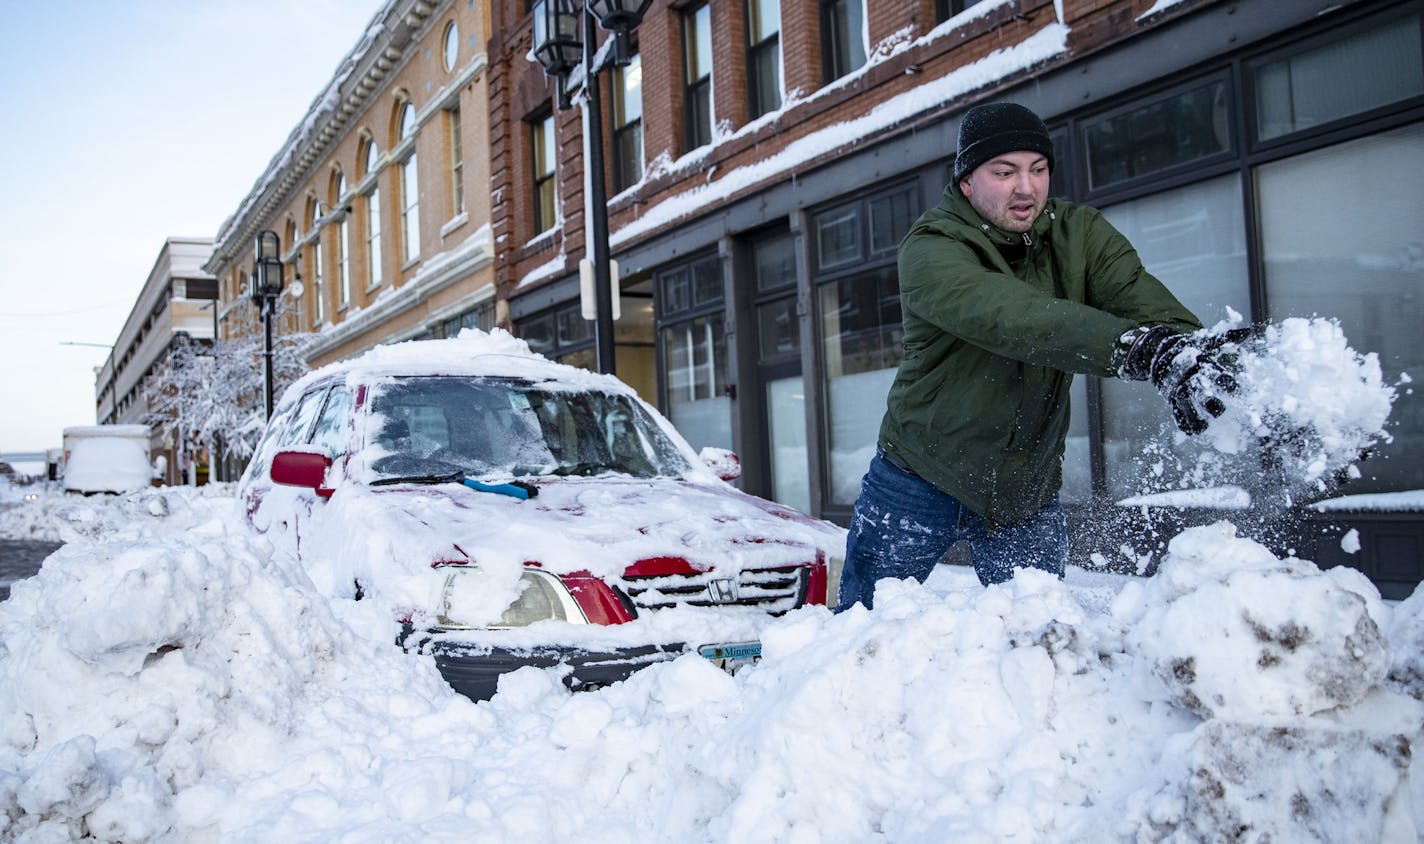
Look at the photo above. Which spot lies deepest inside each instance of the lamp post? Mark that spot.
(559, 50)
(264, 286)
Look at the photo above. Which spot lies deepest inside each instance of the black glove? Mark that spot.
(1185, 369)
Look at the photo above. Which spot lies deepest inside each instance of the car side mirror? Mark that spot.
(726, 464)
(302, 468)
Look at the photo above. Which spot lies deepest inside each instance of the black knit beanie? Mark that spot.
(994, 129)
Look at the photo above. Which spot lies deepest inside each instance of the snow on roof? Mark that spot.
(473, 352)
(106, 430)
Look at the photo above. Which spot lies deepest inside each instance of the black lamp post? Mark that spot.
(264, 286)
(559, 50)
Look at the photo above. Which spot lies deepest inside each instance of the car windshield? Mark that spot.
(433, 427)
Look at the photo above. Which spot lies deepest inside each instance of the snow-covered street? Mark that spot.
(170, 675)
(166, 677)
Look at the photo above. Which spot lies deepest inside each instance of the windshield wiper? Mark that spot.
(513, 489)
(454, 477)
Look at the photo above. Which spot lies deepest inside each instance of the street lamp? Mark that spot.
(557, 48)
(264, 286)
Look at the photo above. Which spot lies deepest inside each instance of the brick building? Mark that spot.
(765, 159)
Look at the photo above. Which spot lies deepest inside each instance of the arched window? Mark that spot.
(405, 126)
(408, 200)
(342, 241)
(370, 157)
(294, 269)
(318, 308)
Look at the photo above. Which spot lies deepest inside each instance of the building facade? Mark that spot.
(178, 298)
(378, 195)
(766, 157)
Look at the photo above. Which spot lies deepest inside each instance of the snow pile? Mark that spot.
(57, 516)
(1234, 632)
(179, 682)
(1313, 402)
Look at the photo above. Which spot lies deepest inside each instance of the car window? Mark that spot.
(267, 446)
(299, 429)
(334, 422)
(483, 426)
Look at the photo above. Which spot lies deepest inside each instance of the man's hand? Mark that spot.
(1185, 369)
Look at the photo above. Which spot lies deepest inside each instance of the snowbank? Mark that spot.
(166, 677)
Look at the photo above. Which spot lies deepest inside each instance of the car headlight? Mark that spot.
(542, 597)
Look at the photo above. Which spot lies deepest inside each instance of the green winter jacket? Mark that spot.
(995, 326)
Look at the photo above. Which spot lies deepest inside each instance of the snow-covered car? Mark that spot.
(110, 459)
(504, 511)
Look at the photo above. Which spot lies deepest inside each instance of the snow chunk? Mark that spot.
(1249, 782)
(1235, 633)
(1317, 402)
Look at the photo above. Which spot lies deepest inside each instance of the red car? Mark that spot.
(500, 510)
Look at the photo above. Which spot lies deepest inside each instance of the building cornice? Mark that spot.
(359, 79)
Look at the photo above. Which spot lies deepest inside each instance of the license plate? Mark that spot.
(731, 656)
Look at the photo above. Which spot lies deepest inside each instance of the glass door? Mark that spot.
(783, 393)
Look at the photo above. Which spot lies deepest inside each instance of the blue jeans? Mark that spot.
(903, 525)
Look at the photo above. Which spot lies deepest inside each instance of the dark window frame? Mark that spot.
(1083, 146)
(1251, 64)
(835, 54)
(539, 181)
(697, 130)
(866, 259)
(629, 130)
(946, 9)
(756, 51)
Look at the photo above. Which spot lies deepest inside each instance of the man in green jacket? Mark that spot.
(1006, 294)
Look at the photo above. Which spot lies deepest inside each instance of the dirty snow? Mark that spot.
(224, 699)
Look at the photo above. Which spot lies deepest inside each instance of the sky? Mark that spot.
(130, 122)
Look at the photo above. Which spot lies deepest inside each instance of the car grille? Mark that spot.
(774, 590)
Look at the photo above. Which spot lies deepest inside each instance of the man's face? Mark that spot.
(1009, 190)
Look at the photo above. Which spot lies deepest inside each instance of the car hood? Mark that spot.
(599, 525)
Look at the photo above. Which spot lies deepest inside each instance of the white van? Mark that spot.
(106, 458)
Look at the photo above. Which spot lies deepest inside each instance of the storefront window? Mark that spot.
(1181, 128)
(838, 239)
(1361, 259)
(561, 335)
(775, 263)
(1194, 240)
(1351, 75)
(1077, 454)
(860, 321)
(694, 350)
(696, 366)
(778, 332)
(890, 218)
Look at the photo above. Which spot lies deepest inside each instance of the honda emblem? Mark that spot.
(723, 590)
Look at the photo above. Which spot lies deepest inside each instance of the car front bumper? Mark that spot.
(474, 670)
